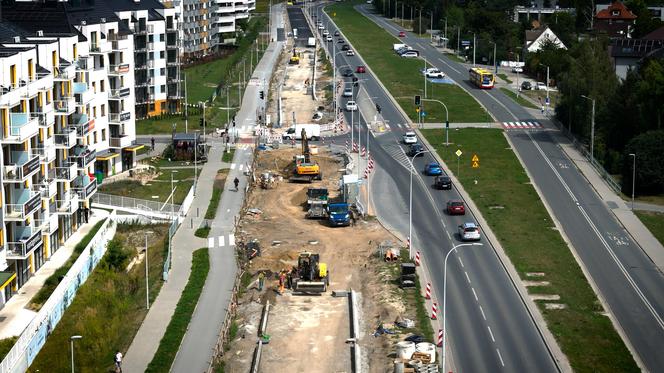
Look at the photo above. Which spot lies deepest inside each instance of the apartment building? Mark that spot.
(226, 14)
(67, 116)
(197, 22)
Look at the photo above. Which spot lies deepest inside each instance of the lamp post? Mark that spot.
(186, 111)
(147, 278)
(592, 129)
(447, 119)
(204, 120)
(71, 341)
(410, 204)
(547, 81)
(334, 82)
(454, 249)
(495, 65)
(633, 176)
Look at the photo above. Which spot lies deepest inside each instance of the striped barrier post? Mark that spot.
(427, 292)
(434, 311)
(417, 255)
(440, 338)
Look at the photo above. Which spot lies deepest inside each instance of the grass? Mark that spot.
(170, 343)
(401, 76)
(211, 211)
(654, 221)
(227, 157)
(109, 307)
(203, 232)
(53, 280)
(585, 335)
(505, 78)
(6, 345)
(519, 100)
(541, 95)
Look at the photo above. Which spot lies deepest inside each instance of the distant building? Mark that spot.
(538, 37)
(627, 54)
(616, 21)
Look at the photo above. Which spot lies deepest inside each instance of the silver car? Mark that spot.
(469, 232)
(348, 92)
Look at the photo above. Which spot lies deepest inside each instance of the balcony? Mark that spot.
(25, 166)
(45, 115)
(147, 29)
(64, 72)
(66, 172)
(117, 70)
(68, 205)
(119, 118)
(48, 226)
(27, 202)
(64, 106)
(83, 64)
(100, 48)
(46, 153)
(22, 126)
(83, 124)
(118, 94)
(85, 186)
(28, 240)
(83, 156)
(66, 139)
(83, 94)
(48, 187)
(119, 142)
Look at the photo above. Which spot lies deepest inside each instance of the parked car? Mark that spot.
(540, 86)
(433, 169)
(351, 106)
(415, 149)
(347, 73)
(434, 73)
(526, 86)
(348, 92)
(469, 232)
(402, 34)
(410, 54)
(345, 47)
(329, 38)
(455, 207)
(409, 137)
(442, 182)
(350, 52)
(517, 69)
(361, 69)
(336, 33)
(403, 50)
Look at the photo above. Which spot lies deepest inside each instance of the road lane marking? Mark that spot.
(500, 357)
(482, 311)
(461, 262)
(475, 294)
(467, 278)
(241, 167)
(449, 236)
(491, 334)
(221, 241)
(232, 166)
(448, 65)
(210, 242)
(231, 240)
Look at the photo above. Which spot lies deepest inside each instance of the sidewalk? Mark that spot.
(14, 317)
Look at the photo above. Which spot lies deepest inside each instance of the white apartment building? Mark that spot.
(226, 13)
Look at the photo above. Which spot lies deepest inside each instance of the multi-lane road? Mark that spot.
(631, 286)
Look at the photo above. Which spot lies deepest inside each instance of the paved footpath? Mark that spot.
(198, 343)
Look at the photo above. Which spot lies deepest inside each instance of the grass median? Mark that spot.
(654, 221)
(502, 191)
(402, 76)
(170, 342)
(518, 99)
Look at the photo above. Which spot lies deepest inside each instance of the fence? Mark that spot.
(34, 336)
(178, 219)
(134, 203)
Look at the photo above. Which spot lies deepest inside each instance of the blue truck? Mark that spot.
(338, 214)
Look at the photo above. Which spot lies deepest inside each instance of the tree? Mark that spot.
(651, 91)
(645, 22)
(648, 148)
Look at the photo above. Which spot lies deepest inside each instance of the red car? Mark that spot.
(361, 69)
(402, 34)
(455, 207)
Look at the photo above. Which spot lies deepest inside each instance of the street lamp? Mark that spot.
(547, 82)
(592, 129)
(454, 249)
(71, 341)
(410, 204)
(633, 176)
(147, 278)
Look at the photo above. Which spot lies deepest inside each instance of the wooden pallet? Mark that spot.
(421, 356)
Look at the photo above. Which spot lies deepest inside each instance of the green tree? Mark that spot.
(648, 148)
(645, 22)
(651, 91)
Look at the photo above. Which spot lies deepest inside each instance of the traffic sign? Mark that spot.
(465, 42)
(423, 113)
(475, 158)
(476, 164)
(458, 153)
(417, 109)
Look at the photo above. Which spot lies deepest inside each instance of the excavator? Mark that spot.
(312, 276)
(295, 59)
(305, 169)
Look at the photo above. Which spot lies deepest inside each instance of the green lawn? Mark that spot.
(505, 78)
(655, 223)
(584, 334)
(170, 342)
(519, 100)
(108, 308)
(402, 76)
(228, 156)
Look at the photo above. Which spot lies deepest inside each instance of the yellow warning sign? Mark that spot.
(417, 109)
(475, 158)
(476, 164)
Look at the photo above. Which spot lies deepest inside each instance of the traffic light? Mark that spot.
(262, 95)
(200, 122)
(417, 100)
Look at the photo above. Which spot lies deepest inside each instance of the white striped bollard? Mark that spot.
(434, 311)
(440, 338)
(427, 291)
(417, 256)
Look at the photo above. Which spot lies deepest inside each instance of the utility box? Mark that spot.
(408, 276)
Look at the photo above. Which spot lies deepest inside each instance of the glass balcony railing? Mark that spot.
(25, 164)
(27, 203)
(66, 139)
(83, 156)
(67, 205)
(66, 172)
(22, 126)
(28, 240)
(85, 186)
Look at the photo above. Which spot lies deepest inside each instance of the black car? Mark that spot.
(340, 41)
(526, 86)
(442, 182)
(415, 149)
(347, 73)
(336, 33)
(345, 47)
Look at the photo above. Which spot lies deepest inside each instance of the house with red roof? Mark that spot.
(616, 21)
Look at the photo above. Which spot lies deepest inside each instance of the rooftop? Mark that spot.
(617, 10)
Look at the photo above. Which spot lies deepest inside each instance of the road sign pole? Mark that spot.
(458, 161)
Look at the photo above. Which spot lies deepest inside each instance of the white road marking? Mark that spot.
(241, 167)
(458, 257)
(482, 311)
(491, 334)
(475, 294)
(448, 65)
(231, 240)
(221, 241)
(420, 45)
(210, 242)
(450, 237)
(500, 357)
(468, 278)
(232, 166)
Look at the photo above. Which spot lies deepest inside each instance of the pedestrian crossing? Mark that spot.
(221, 241)
(522, 125)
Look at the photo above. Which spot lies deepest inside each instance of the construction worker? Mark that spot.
(282, 282)
(261, 281)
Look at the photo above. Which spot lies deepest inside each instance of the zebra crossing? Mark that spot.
(221, 241)
(522, 125)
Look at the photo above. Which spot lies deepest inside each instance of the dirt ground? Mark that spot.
(308, 333)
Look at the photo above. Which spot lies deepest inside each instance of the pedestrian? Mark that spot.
(261, 281)
(86, 213)
(118, 362)
(237, 184)
(282, 282)
(542, 110)
(152, 142)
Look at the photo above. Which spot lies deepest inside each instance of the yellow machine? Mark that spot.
(312, 275)
(305, 169)
(295, 59)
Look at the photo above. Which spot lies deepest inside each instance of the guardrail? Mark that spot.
(135, 203)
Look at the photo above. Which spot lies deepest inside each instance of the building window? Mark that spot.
(94, 111)
(94, 135)
(162, 55)
(94, 87)
(103, 134)
(102, 87)
(103, 110)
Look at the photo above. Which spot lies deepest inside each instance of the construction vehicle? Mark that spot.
(305, 169)
(317, 203)
(295, 59)
(312, 275)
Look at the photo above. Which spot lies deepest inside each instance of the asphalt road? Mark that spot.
(628, 281)
(489, 326)
(297, 21)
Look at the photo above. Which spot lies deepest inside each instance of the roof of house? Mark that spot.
(635, 48)
(617, 10)
(532, 35)
(655, 35)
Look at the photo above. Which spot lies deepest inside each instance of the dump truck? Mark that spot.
(312, 276)
(317, 203)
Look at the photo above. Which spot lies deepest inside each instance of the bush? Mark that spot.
(116, 256)
(648, 148)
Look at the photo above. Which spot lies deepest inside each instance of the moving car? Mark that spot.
(340, 41)
(361, 69)
(455, 207)
(410, 54)
(326, 33)
(442, 182)
(336, 33)
(415, 149)
(469, 232)
(329, 38)
(350, 52)
(540, 86)
(409, 137)
(433, 169)
(320, 26)
(351, 106)
(517, 69)
(434, 73)
(347, 73)
(402, 34)
(348, 92)
(526, 86)
(345, 47)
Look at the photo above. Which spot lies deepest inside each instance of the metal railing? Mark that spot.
(134, 203)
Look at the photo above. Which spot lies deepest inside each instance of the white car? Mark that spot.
(350, 52)
(410, 138)
(517, 69)
(435, 73)
(351, 106)
(540, 86)
(469, 232)
(348, 92)
(321, 27)
(326, 33)
(329, 38)
(410, 54)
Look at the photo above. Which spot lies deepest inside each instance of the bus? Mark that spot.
(482, 78)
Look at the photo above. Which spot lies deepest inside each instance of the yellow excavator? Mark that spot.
(305, 169)
(295, 59)
(312, 276)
